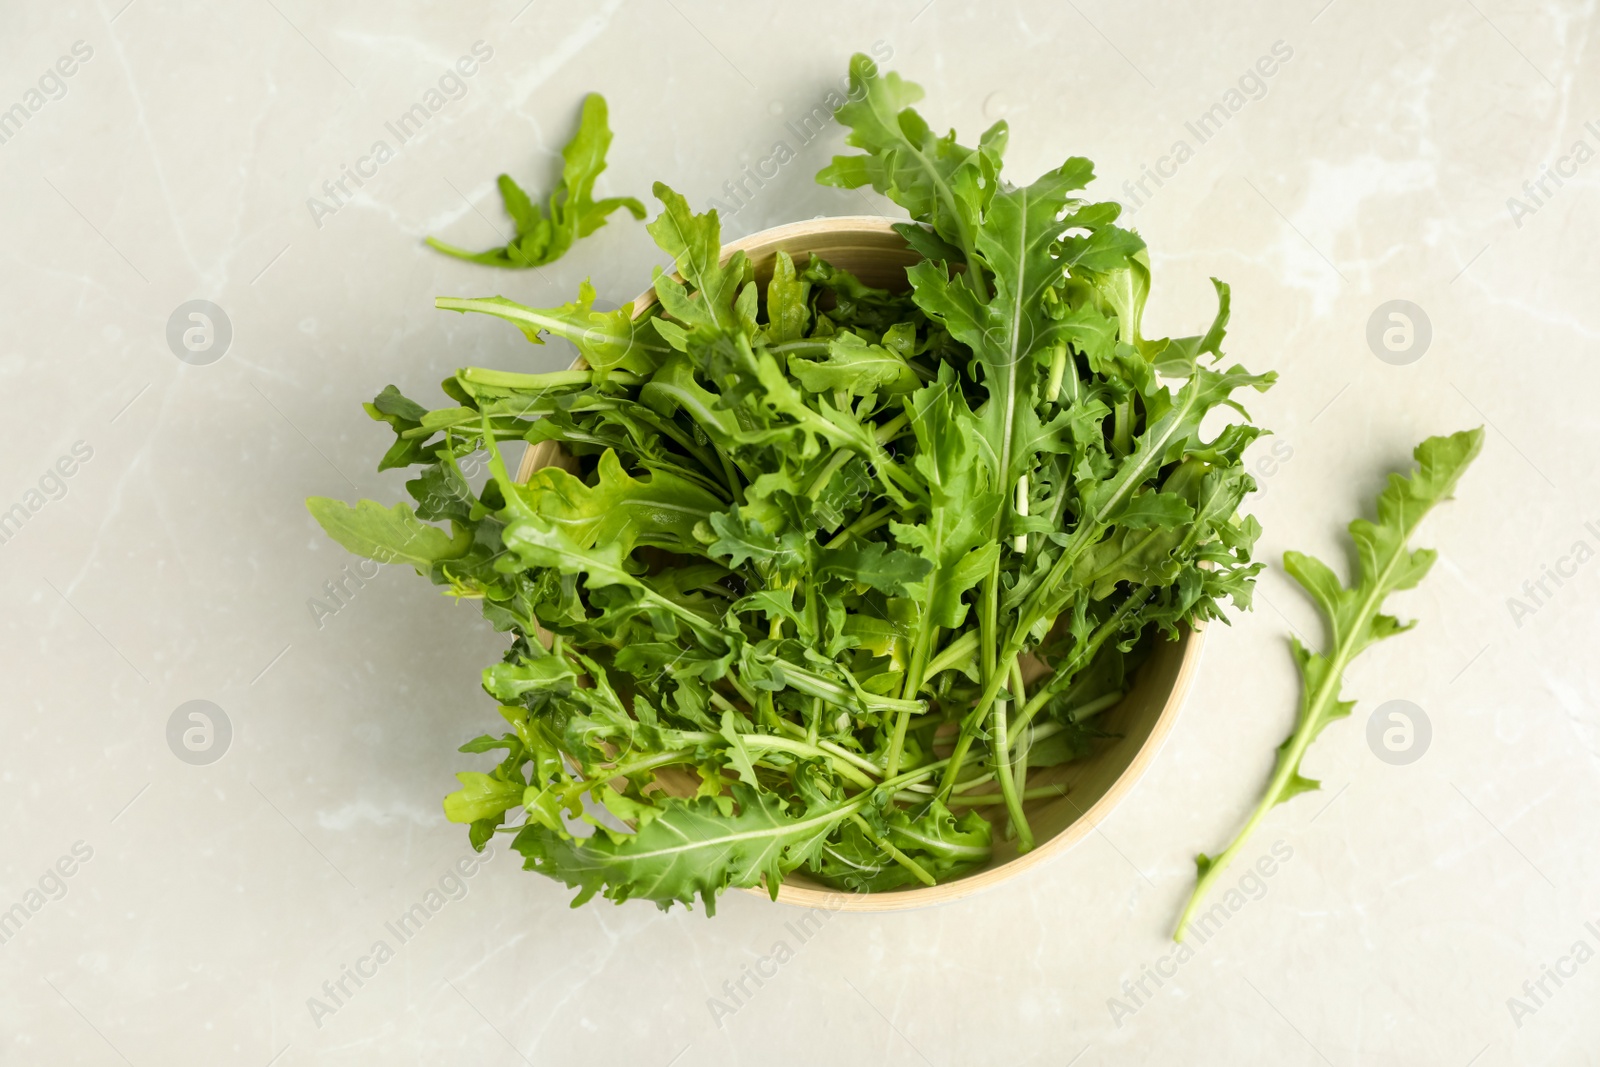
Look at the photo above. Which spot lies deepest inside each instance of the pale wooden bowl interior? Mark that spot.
(868, 246)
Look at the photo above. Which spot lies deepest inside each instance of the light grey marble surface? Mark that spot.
(177, 561)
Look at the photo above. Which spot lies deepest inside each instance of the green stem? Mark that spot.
(1095, 706)
(800, 348)
(845, 768)
(834, 693)
(891, 429)
(795, 730)
(1020, 541)
(1081, 658)
(1001, 748)
(846, 763)
(897, 743)
(766, 712)
(908, 689)
(731, 475)
(988, 611)
(1021, 739)
(951, 655)
(1058, 370)
(505, 379)
(969, 725)
(605, 774)
(1292, 750)
(746, 694)
(899, 857)
(988, 619)
(1013, 649)
(1122, 427)
(865, 524)
(539, 319)
(927, 791)
(835, 461)
(996, 798)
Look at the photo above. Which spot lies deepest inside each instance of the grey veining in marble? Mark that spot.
(1325, 158)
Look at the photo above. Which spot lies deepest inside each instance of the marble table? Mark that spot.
(214, 890)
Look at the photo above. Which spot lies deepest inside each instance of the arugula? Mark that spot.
(386, 534)
(543, 236)
(1355, 622)
(777, 612)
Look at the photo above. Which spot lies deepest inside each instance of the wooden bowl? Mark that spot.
(868, 246)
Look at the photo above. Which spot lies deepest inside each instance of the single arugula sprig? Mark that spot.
(774, 612)
(1355, 622)
(545, 236)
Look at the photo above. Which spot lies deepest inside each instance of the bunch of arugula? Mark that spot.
(819, 537)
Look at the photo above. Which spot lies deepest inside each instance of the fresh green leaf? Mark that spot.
(545, 236)
(1385, 564)
(387, 535)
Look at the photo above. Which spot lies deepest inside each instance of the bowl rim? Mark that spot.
(1192, 644)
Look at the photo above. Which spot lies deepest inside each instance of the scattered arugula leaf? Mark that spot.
(545, 236)
(1355, 622)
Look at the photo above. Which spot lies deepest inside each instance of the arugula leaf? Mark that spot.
(606, 339)
(1385, 564)
(935, 179)
(788, 310)
(691, 848)
(856, 367)
(387, 535)
(872, 564)
(694, 242)
(545, 236)
(619, 509)
(481, 797)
